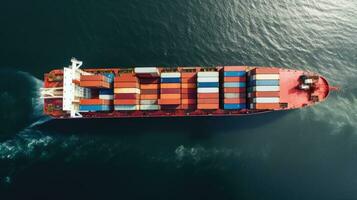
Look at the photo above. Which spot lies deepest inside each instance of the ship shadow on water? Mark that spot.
(195, 127)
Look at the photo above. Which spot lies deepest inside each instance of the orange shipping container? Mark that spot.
(207, 96)
(94, 84)
(235, 101)
(94, 102)
(188, 85)
(93, 78)
(207, 106)
(265, 94)
(189, 80)
(189, 96)
(188, 90)
(188, 74)
(262, 106)
(126, 85)
(208, 101)
(170, 96)
(235, 79)
(265, 70)
(126, 102)
(188, 101)
(170, 85)
(149, 96)
(149, 86)
(234, 68)
(169, 101)
(127, 77)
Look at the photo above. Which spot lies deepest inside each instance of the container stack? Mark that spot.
(106, 94)
(126, 92)
(150, 92)
(188, 90)
(147, 72)
(94, 81)
(234, 86)
(208, 90)
(170, 90)
(264, 88)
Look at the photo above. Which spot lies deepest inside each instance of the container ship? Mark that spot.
(72, 92)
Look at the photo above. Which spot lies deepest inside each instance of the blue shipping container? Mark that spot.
(234, 84)
(110, 77)
(234, 106)
(95, 108)
(265, 83)
(208, 84)
(170, 80)
(106, 91)
(235, 74)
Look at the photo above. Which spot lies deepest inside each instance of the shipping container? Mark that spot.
(171, 75)
(208, 85)
(149, 102)
(208, 90)
(170, 85)
(266, 88)
(234, 95)
(265, 70)
(150, 81)
(149, 96)
(149, 107)
(234, 106)
(234, 101)
(189, 96)
(265, 83)
(234, 90)
(106, 91)
(126, 90)
(207, 106)
(188, 75)
(189, 80)
(234, 68)
(94, 108)
(150, 91)
(189, 85)
(126, 96)
(234, 74)
(126, 84)
(170, 96)
(149, 86)
(146, 70)
(266, 77)
(208, 101)
(266, 100)
(93, 78)
(167, 101)
(170, 91)
(207, 74)
(265, 106)
(94, 102)
(208, 95)
(126, 107)
(126, 77)
(170, 80)
(235, 79)
(188, 101)
(234, 84)
(264, 94)
(106, 96)
(207, 79)
(94, 84)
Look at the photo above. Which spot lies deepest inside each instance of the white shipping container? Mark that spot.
(207, 79)
(148, 102)
(106, 96)
(266, 77)
(266, 100)
(234, 95)
(266, 88)
(149, 107)
(126, 107)
(146, 70)
(126, 90)
(208, 90)
(171, 75)
(207, 74)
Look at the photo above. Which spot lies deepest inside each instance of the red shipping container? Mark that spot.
(234, 68)
(126, 101)
(169, 101)
(235, 79)
(235, 101)
(263, 106)
(126, 85)
(208, 106)
(170, 91)
(189, 96)
(149, 81)
(150, 91)
(94, 102)
(208, 101)
(170, 85)
(207, 96)
(150, 86)
(126, 96)
(188, 91)
(234, 90)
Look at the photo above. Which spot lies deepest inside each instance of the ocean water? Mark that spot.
(304, 154)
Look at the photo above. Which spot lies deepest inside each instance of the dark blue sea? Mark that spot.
(303, 154)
